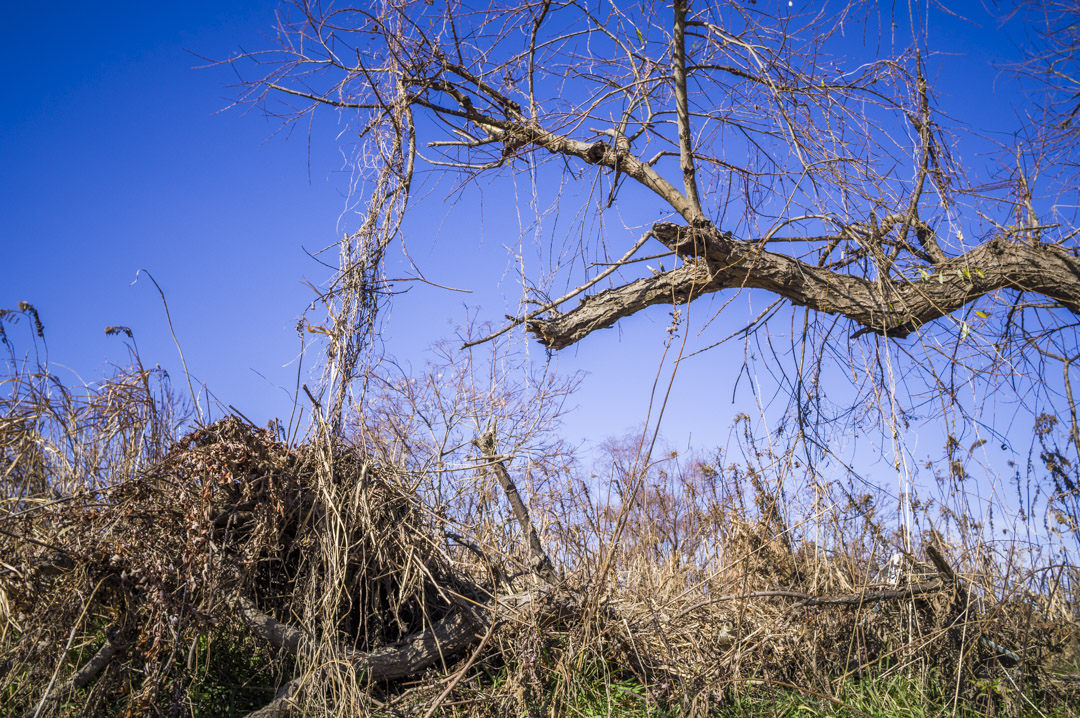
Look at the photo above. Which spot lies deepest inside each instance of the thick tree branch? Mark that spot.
(446, 637)
(600, 311)
(282, 705)
(682, 111)
(601, 153)
(516, 134)
(894, 308)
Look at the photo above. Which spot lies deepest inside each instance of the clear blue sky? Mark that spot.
(116, 158)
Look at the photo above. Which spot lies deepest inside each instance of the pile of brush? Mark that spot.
(109, 597)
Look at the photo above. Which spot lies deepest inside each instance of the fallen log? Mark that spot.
(462, 628)
(54, 697)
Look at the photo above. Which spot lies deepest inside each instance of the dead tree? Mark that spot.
(777, 163)
(797, 156)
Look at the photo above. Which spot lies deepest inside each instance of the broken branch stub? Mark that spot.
(541, 563)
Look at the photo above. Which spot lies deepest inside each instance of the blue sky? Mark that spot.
(117, 157)
(115, 161)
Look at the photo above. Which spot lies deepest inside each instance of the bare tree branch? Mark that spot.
(682, 111)
(895, 308)
(542, 565)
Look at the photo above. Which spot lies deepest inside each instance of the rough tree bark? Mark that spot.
(445, 639)
(894, 308)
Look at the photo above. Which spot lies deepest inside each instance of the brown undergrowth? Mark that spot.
(225, 571)
(226, 520)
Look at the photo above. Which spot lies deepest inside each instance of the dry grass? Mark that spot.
(134, 558)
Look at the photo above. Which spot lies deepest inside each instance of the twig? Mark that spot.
(168, 318)
(314, 401)
(48, 697)
(496, 570)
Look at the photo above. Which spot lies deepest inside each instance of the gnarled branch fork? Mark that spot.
(895, 308)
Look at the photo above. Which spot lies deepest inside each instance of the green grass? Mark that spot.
(589, 695)
(226, 674)
(891, 697)
(230, 676)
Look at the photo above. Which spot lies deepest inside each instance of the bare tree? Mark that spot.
(777, 162)
(796, 155)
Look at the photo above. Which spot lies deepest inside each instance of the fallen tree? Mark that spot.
(140, 576)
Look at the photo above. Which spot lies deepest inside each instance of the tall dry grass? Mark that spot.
(150, 566)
